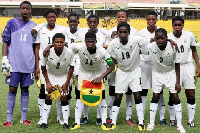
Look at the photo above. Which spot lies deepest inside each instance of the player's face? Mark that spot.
(59, 44)
(161, 39)
(151, 20)
(92, 24)
(123, 33)
(177, 26)
(51, 19)
(73, 22)
(121, 17)
(25, 10)
(90, 42)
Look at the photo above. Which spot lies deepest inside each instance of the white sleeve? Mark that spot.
(105, 32)
(143, 42)
(44, 61)
(75, 47)
(39, 27)
(192, 40)
(72, 61)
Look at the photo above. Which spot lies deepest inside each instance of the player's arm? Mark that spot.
(111, 65)
(196, 58)
(44, 72)
(6, 36)
(37, 28)
(69, 76)
(37, 70)
(177, 70)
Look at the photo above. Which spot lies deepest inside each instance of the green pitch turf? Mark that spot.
(90, 127)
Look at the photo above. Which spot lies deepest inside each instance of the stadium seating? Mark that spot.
(190, 25)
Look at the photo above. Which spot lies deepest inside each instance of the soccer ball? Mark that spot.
(6, 69)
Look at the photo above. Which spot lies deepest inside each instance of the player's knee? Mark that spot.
(144, 92)
(103, 94)
(176, 99)
(48, 102)
(117, 103)
(42, 90)
(191, 101)
(170, 102)
(112, 91)
(138, 101)
(13, 90)
(155, 98)
(24, 89)
(64, 103)
(129, 92)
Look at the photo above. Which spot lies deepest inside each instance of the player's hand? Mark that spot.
(173, 44)
(49, 86)
(37, 72)
(6, 68)
(115, 60)
(114, 34)
(96, 80)
(178, 87)
(46, 51)
(33, 32)
(64, 91)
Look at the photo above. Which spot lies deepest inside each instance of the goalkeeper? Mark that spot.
(57, 69)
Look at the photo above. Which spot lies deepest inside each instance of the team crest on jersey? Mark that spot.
(185, 40)
(65, 59)
(91, 94)
(168, 55)
(95, 58)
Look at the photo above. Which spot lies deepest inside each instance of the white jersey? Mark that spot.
(127, 55)
(90, 61)
(73, 37)
(184, 43)
(44, 36)
(162, 60)
(100, 37)
(58, 64)
(145, 33)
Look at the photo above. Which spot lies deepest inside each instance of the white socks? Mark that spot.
(46, 110)
(161, 105)
(153, 109)
(129, 104)
(41, 103)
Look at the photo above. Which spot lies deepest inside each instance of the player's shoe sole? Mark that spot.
(74, 127)
(112, 126)
(105, 127)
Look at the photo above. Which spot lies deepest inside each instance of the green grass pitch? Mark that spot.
(90, 127)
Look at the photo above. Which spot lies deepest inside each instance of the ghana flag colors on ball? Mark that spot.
(91, 94)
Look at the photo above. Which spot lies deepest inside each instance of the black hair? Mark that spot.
(123, 24)
(122, 10)
(90, 35)
(93, 16)
(152, 13)
(50, 10)
(73, 14)
(25, 2)
(178, 18)
(58, 35)
(161, 30)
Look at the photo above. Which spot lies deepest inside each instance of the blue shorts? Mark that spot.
(25, 79)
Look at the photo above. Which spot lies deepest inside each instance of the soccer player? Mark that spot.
(18, 51)
(146, 65)
(125, 49)
(45, 33)
(92, 58)
(121, 17)
(165, 72)
(101, 33)
(74, 37)
(187, 50)
(57, 69)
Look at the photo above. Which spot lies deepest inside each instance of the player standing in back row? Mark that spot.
(17, 52)
(146, 65)
(187, 50)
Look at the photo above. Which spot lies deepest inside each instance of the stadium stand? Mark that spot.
(191, 25)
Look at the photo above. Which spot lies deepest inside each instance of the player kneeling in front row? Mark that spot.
(165, 72)
(57, 69)
(92, 60)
